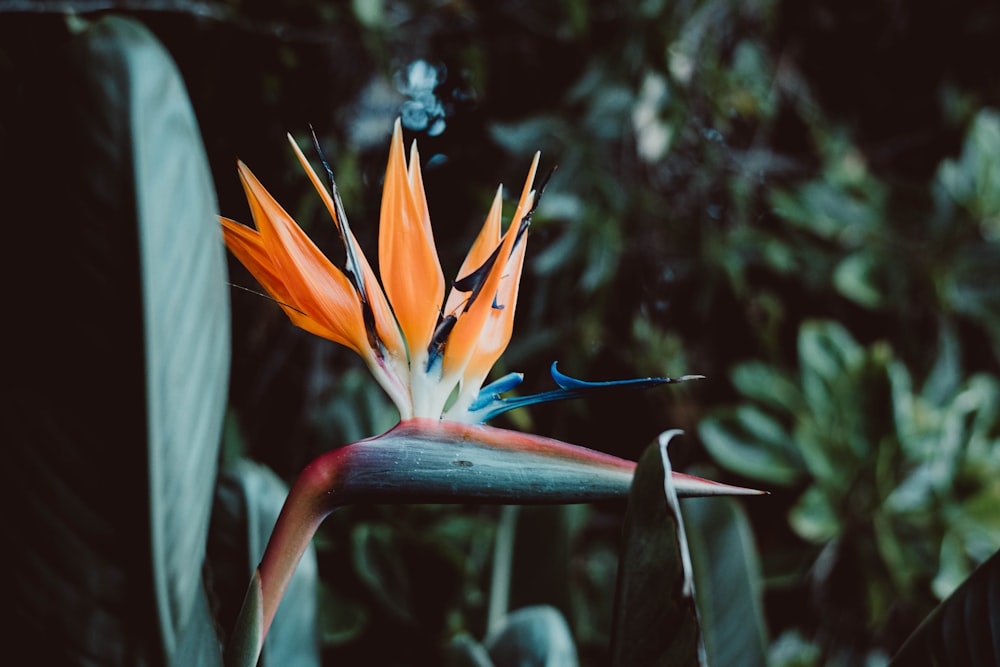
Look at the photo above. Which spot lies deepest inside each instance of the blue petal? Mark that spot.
(489, 404)
(492, 391)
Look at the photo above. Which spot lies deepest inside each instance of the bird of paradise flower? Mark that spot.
(431, 361)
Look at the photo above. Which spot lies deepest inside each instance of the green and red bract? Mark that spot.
(432, 461)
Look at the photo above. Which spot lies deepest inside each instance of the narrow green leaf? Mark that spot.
(186, 316)
(728, 582)
(656, 622)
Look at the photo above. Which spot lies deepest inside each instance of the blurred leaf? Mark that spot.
(829, 211)
(813, 518)
(970, 290)
(856, 278)
(198, 635)
(379, 564)
(826, 352)
(464, 651)
(973, 180)
(792, 650)
(115, 428)
(946, 375)
(541, 550)
(532, 637)
(249, 499)
(750, 442)
(962, 630)
(728, 582)
(342, 618)
(767, 385)
(656, 622)
(370, 13)
(953, 567)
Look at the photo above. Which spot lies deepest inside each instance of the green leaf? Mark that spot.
(830, 211)
(826, 352)
(114, 433)
(379, 563)
(813, 518)
(341, 617)
(728, 582)
(751, 443)
(768, 386)
(464, 651)
(532, 637)
(969, 288)
(973, 180)
(856, 277)
(962, 630)
(656, 622)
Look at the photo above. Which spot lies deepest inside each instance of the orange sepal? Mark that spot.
(247, 246)
(385, 321)
(317, 287)
(411, 272)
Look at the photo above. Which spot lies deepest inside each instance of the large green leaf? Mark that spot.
(962, 630)
(656, 622)
(112, 437)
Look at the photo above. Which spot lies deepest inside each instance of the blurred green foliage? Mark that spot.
(799, 200)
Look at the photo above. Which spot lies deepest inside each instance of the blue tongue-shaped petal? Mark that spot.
(489, 403)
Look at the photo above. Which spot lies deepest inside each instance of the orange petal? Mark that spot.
(464, 337)
(416, 179)
(411, 272)
(385, 321)
(318, 288)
